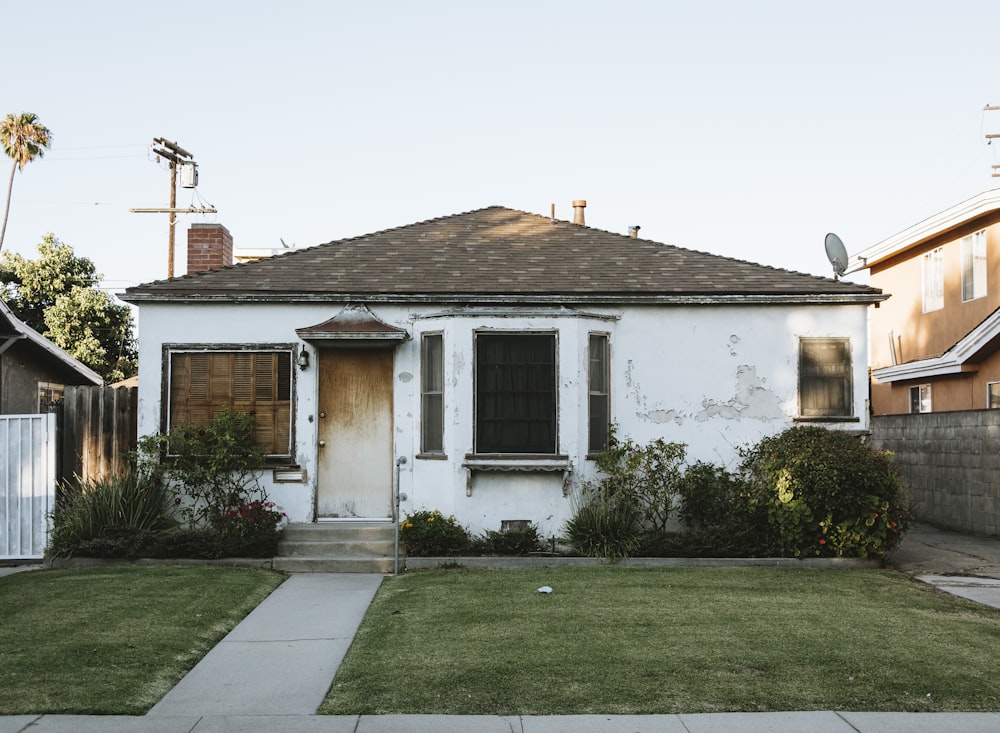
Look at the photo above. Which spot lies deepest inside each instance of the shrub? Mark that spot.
(213, 466)
(826, 493)
(720, 520)
(515, 541)
(251, 529)
(604, 526)
(185, 542)
(431, 534)
(108, 512)
(646, 476)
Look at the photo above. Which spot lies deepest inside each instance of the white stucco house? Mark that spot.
(483, 356)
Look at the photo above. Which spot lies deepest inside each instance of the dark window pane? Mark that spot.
(515, 393)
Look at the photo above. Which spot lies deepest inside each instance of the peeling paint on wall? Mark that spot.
(752, 400)
(662, 416)
(405, 377)
(733, 341)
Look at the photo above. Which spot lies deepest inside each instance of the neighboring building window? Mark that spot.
(599, 393)
(49, 394)
(516, 393)
(920, 398)
(933, 273)
(432, 393)
(993, 395)
(974, 266)
(825, 388)
(203, 383)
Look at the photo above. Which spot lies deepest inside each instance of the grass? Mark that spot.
(114, 640)
(621, 640)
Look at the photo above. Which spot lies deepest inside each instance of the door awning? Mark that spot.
(354, 326)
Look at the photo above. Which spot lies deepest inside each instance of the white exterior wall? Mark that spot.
(713, 377)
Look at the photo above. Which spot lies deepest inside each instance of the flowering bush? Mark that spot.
(251, 528)
(431, 534)
(827, 493)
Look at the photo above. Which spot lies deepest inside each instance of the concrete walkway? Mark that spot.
(272, 671)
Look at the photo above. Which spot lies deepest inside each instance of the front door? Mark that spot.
(354, 471)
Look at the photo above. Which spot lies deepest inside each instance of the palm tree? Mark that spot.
(24, 139)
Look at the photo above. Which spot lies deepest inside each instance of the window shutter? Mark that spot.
(205, 383)
(825, 377)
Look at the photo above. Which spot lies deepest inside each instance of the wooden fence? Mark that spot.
(98, 427)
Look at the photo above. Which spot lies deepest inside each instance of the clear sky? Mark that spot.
(746, 129)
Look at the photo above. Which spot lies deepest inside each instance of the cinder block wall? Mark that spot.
(951, 461)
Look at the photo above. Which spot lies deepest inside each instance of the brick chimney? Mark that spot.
(210, 246)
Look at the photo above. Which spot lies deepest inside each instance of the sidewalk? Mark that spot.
(272, 671)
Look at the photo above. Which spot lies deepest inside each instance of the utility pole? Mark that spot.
(178, 157)
(992, 136)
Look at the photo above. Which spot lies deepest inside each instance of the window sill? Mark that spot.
(516, 462)
(431, 456)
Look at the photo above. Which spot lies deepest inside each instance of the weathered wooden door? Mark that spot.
(354, 472)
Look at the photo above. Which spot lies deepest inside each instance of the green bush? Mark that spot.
(516, 541)
(108, 512)
(604, 526)
(646, 476)
(826, 493)
(719, 519)
(431, 534)
(213, 466)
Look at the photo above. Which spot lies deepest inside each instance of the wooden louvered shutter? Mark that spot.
(825, 377)
(203, 384)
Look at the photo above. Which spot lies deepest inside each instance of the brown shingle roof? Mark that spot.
(499, 254)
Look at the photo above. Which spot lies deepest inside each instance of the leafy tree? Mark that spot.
(24, 138)
(57, 295)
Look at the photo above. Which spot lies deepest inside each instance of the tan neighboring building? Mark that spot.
(935, 344)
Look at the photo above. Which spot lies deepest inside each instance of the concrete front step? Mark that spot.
(337, 547)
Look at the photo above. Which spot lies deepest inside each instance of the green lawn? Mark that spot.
(638, 640)
(113, 640)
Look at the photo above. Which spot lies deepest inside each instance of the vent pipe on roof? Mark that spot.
(633, 231)
(578, 206)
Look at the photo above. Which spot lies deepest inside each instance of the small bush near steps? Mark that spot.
(431, 534)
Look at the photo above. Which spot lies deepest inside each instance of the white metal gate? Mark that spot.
(27, 483)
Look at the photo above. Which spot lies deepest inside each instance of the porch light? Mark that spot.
(303, 360)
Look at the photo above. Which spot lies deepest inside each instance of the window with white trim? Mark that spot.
(920, 398)
(515, 393)
(257, 382)
(993, 395)
(825, 377)
(933, 280)
(599, 393)
(432, 393)
(974, 266)
(49, 393)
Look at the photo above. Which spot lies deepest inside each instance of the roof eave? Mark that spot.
(867, 297)
(981, 205)
(955, 360)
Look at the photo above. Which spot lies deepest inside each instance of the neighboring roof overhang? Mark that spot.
(985, 203)
(355, 325)
(24, 331)
(959, 358)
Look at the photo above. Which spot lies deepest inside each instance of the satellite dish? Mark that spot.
(836, 253)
